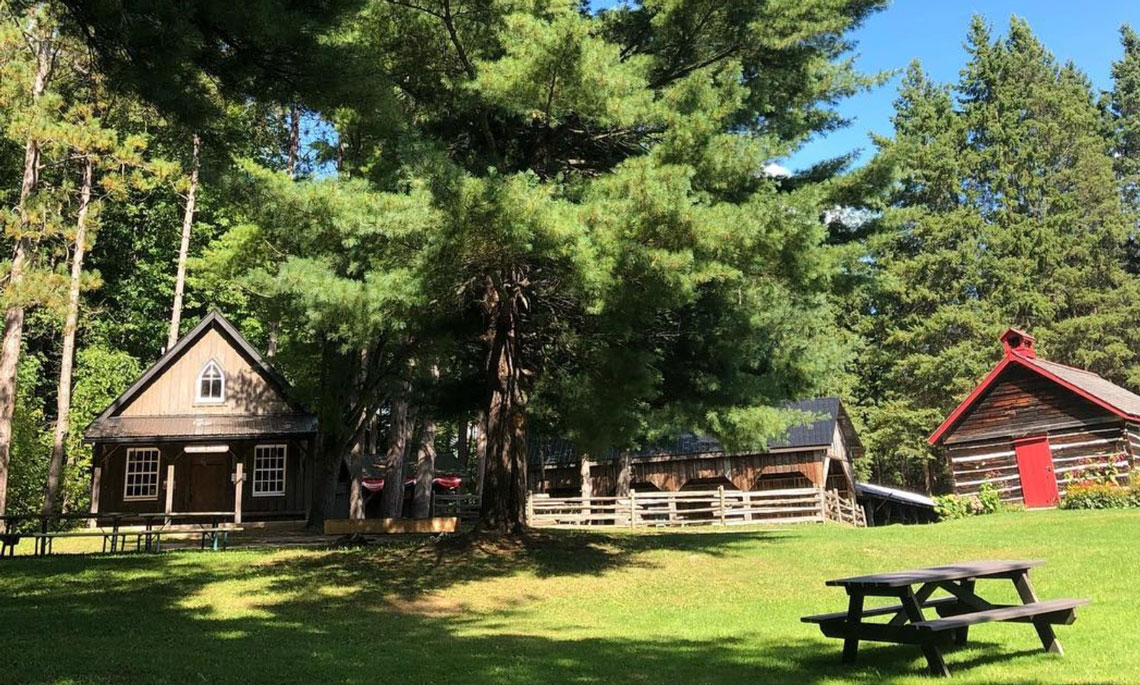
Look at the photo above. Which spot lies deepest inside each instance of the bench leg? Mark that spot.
(854, 617)
(934, 661)
(1049, 641)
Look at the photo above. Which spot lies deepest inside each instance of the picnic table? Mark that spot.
(116, 538)
(964, 607)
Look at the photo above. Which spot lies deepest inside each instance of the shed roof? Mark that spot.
(1117, 400)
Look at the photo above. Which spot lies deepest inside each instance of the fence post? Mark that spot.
(720, 495)
(822, 504)
(530, 509)
(632, 507)
(748, 506)
(672, 506)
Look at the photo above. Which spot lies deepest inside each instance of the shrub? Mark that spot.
(1094, 495)
(987, 501)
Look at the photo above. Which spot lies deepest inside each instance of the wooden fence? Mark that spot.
(718, 507)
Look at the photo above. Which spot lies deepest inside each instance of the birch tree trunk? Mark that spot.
(184, 248)
(399, 434)
(67, 356)
(14, 315)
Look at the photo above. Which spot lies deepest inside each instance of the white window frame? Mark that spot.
(131, 451)
(198, 398)
(284, 469)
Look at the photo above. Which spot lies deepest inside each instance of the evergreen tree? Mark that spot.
(1005, 213)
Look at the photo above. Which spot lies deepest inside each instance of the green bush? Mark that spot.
(987, 501)
(1093, 495)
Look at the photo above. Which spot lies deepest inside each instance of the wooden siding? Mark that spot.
(672, 473)
(1092, 450)
(293, 504)
(1023, 403)
(173, 392)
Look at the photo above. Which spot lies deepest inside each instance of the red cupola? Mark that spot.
(1018, 342)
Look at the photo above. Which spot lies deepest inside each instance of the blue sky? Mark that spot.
(933, 31)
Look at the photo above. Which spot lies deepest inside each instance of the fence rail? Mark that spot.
(713, 507)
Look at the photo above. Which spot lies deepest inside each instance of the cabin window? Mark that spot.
(142, 473)
(268, 470)
(211, 384)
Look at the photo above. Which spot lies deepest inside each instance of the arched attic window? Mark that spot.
(211, 384)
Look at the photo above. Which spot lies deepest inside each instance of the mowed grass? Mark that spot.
(693, 607)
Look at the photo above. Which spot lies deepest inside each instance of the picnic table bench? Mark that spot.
(957, 612)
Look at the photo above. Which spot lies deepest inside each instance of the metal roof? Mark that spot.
(883, 492)
(818, 433)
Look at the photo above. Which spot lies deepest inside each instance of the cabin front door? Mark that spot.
(1035, 465)
(210, 484)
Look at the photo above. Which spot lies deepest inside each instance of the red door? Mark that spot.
(1035, 464)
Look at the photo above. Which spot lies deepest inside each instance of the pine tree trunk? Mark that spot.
(355, 488)
(480, 451)
(290, 168)
(504, 488)
(425, 470)
(399, 435)
(67, 357)
(624, 475)
(184, 248)
(14, 316)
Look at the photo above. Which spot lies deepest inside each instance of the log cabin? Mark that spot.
(209, 428)
(1032, 426)
(818, 454)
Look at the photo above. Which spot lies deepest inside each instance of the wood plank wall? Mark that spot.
(1023, 403)
(297, 483)
(1089, 449)
(674, 472)
(1083, 437)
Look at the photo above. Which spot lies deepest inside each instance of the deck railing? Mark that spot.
(465, 507)
(712, 507)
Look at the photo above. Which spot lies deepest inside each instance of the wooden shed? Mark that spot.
(818, 454)
(209, 428)
(1031, 426)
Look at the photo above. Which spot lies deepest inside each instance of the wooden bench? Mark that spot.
(115, 539)
(215, 535)
(8, 542)
(1051, 612)
(881, 611)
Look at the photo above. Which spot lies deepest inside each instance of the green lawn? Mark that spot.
(670, 608)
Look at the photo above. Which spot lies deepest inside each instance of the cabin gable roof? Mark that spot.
(1085, 384)
(255, 394)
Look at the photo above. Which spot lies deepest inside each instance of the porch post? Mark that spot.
(96, 475)
(169, 492)
(239, 477)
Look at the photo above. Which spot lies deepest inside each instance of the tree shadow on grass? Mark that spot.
(342, 617)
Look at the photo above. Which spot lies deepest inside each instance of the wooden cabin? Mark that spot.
(209, 428)
(1033, 425)
(818, 454)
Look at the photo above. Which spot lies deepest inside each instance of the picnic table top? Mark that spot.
(958, 571)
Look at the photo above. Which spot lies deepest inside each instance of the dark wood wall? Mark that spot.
(673, 472)
(1083, 437)
(1023, 403)
(112, 459)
